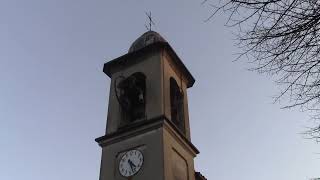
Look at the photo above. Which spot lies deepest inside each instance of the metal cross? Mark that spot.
(149, 26)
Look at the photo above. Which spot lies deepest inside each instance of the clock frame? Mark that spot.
(130, 163)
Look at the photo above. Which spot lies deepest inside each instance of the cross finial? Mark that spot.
(149, 25)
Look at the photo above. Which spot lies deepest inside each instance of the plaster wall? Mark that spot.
(149, 143)
(149, 65)
(178, 161)
(171, 70)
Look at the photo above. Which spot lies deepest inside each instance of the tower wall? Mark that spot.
(148, 141)
(170, 69)
(149, 65)
(161, 136)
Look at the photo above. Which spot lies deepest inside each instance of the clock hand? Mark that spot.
(132, 166)
(131, 163)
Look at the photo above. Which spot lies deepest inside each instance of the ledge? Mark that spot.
(141, 127)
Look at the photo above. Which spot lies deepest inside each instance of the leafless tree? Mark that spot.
(280, 38)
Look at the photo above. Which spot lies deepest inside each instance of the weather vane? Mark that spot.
(149, 25)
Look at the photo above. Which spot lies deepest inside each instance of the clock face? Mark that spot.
(130, 163)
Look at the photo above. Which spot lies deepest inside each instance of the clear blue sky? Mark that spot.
(54, 94)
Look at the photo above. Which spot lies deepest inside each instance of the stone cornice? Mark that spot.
(146, 126)
(132, 57)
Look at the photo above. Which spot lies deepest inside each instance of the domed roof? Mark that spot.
(146, 39)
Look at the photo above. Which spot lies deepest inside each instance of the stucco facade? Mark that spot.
(167, 149)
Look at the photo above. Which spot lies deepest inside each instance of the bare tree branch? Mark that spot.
(281, 38)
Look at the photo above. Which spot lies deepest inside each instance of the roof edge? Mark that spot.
(155, 46)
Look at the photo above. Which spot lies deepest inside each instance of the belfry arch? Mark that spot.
(176, 105)
(131, 95)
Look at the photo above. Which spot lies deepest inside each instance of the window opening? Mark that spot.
(130, 94)
(176, 100)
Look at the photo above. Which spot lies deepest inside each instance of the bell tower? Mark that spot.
(148, 133)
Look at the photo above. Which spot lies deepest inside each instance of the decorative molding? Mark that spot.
(157, 46)
(146, 126)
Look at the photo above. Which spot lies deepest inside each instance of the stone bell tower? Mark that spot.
(148, 132)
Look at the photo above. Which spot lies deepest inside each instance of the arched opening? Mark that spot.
(131, 93)
(176, 104)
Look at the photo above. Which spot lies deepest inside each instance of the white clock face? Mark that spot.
(130, 163)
